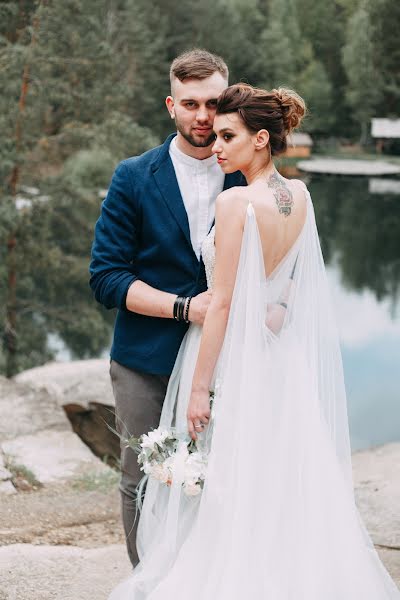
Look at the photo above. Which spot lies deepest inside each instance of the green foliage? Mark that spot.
(364, 89)
(316, 88)
(235, 33)
(282, 44)
(123, 137)
(21, 472)
(89, 169)
(385, 19)
(279, 68)
(323, 25)
(103, 481)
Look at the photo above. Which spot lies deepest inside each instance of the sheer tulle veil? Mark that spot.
(277, 517)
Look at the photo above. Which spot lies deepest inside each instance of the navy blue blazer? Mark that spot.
(143, 233)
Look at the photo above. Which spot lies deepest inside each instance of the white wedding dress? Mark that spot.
(277, 518)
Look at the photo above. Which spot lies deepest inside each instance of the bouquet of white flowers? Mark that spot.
(171, 457)
(162, 452)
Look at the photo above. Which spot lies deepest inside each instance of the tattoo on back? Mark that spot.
(283, 195)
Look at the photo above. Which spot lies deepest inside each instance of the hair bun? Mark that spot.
(293, 107)
(278, 111)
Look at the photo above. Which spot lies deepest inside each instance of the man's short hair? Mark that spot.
(197, 64)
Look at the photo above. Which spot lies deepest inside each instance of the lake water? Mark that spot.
(359, 224)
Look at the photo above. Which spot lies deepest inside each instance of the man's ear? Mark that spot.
(169, 101)
(261, 139)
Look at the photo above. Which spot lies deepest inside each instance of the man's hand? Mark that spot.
(198, 307)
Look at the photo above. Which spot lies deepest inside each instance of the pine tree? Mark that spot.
(323, 25)
(364, 86)
(314, 85)
(18, 122)
(385, 18)
(62, 94)
(140, 69)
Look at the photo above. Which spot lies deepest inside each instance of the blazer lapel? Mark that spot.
(164, 174)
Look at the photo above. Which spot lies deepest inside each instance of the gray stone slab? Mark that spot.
(76, 382)
(61, 572)
(391, 560)
(376, 476)
(7, 488)
(25, 410)
(337, 166)
(69, 573)
(53, 456)
(4, 472)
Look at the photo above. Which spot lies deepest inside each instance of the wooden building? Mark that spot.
(299, 145)
(384, 129)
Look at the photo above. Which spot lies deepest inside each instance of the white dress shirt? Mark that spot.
(200, 182)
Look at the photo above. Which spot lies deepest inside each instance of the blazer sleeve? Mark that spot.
(115, 242)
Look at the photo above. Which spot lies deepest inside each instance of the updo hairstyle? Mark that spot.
(278, 111)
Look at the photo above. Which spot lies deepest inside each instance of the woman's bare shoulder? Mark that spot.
(298, 184)
(230, 206)
(234, 197)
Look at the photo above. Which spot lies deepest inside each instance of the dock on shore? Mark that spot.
(335, 166)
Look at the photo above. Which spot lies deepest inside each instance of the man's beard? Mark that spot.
(189, 138)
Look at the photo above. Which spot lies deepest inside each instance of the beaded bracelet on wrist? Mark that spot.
(187, 309)
(179, 307)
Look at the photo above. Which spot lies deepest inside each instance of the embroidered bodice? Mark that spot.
(208, 255)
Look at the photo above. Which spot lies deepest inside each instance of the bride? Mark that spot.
(277, 518)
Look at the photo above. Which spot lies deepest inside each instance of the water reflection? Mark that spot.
(362, 231)
(360, 236)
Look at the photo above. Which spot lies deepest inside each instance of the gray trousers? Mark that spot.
(138, 402)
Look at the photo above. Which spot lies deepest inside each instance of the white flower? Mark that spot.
(195, 466)
(161, 472)
(147, 467)
(165, 455)
(169, 462)
(158, 436)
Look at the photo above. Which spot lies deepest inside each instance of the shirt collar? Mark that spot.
(189, 160)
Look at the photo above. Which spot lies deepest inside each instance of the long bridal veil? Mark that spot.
(277, 517)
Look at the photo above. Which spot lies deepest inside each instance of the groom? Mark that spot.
(146, 256)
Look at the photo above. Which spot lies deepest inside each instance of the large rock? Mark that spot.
(61, 572)
(70, 573)
(25, 410)
(78, 382)
(7, 488)
(4, 472)
(52, 456)
(37, 443)
(83, 389)
(376, 475)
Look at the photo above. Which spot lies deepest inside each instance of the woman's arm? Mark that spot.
(229, 218)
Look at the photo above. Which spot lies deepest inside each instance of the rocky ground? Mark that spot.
(60, 531)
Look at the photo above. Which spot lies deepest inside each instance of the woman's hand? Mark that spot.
(198, 412)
